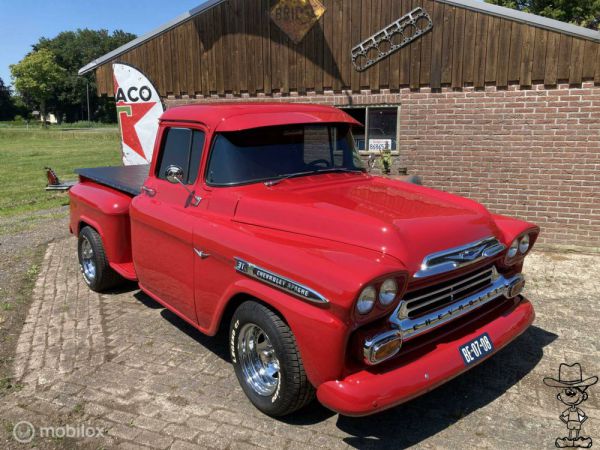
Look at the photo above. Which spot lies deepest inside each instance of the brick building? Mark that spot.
(479, 100)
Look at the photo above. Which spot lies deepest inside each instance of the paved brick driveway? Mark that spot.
(122, 363)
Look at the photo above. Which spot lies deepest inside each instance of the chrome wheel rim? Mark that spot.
(258, 361)
(88, 266)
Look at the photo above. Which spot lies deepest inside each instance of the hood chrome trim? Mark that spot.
(455, 258)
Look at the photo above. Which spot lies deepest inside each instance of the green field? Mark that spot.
(25, 152)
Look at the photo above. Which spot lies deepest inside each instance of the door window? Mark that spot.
(181, 147)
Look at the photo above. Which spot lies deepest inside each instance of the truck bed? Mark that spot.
(128, 179)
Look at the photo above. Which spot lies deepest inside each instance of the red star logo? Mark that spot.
(129, 115)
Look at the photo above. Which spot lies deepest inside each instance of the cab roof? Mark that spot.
(245, 116)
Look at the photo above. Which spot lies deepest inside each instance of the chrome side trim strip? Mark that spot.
(455, 258)
(279, 282)
(411, 328)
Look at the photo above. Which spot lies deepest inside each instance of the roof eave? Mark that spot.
(487, 8)
(527, 18)
(152, 34)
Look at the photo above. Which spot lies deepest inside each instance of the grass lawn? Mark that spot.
(24, 154)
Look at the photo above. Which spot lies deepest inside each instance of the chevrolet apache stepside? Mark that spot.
(260, 219)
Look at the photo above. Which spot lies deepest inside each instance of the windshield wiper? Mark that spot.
(310, 172)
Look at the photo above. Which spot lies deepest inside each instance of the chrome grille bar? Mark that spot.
(451, 296)
(413, 327)
(487, 274)
(459, 288)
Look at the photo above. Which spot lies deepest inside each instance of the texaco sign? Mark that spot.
(138, 109)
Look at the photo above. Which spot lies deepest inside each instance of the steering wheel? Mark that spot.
(316, 162)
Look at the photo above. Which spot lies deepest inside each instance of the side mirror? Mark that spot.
(174, 174)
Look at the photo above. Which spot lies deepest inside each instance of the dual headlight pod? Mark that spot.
(370, 295)
(519, 246)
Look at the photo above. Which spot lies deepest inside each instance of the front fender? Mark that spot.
(510, 228)
(321, 336)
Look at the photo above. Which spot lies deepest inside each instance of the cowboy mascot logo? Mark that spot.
(572, 392)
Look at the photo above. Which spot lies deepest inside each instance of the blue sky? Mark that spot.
(23, 22)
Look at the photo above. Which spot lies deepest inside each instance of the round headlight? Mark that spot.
(366, 300)
(524, 244)
(388, 292)
(514, 248)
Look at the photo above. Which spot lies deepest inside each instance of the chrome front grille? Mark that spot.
(423, 301)
(422, 310)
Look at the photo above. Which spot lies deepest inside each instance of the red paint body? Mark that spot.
(335, 233)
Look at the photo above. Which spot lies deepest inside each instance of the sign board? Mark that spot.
(297, 17)
(380, 144)
(138, 108)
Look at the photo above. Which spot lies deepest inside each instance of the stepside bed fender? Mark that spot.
(107, 211)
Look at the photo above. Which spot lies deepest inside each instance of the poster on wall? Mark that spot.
(138, 109)
(380, 144)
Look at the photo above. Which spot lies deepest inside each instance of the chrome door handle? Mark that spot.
(201, 254)
(151, 192)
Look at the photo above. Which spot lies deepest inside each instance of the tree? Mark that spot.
(36, 77)
(73, 50)
(7, 107)
(585, 13)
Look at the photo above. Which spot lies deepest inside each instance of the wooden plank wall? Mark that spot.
(236, 48)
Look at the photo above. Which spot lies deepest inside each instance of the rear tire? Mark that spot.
(267, 362)
(96, 271)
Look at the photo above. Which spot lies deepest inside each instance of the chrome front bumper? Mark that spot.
(406, 328)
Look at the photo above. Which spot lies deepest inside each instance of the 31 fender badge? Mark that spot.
(279, 282)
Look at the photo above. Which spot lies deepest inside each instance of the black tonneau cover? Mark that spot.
(129, 179)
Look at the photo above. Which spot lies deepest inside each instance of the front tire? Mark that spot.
(267, 362)
(97, 273)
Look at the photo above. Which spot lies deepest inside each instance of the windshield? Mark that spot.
(272, 153)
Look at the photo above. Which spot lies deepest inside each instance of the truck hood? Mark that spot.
(406, 221)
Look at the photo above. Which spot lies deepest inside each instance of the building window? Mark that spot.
(380, 131)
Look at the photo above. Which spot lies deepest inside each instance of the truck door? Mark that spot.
(162, 223)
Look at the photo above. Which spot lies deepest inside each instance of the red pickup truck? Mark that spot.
(261, 219)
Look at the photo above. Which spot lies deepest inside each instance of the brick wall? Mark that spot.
(533, 153)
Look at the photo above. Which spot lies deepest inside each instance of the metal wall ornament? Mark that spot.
(296, 17)
(391, 39)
